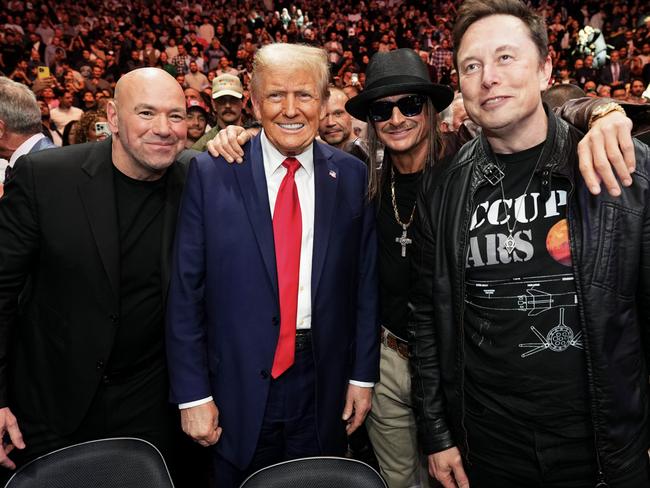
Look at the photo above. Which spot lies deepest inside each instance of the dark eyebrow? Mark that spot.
(506, 47)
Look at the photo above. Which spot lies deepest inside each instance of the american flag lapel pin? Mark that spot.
(333, 173)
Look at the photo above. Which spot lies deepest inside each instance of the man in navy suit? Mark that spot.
(20, 125)
(272, 329)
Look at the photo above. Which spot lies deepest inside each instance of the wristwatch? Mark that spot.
(603, 110)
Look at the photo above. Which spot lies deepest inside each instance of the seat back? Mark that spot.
(106, 463)
(316, 472)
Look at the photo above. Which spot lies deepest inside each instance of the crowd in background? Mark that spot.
(70, 53)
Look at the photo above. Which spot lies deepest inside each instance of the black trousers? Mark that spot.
(505, 455)
(289, 425)
(133, 406)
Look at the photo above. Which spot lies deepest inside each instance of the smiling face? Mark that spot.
(404, 135)
(501, 79)
(289, 106)
(148, 121)
(196, 122)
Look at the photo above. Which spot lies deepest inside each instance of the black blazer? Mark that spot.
(59, 234)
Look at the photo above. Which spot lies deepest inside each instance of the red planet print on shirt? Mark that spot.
(557, 243)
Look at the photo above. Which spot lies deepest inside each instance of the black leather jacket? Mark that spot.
(610, 248)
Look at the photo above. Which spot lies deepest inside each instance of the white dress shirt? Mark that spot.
(304, 178)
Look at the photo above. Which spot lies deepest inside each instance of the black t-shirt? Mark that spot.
(139, 339)
(523, 340)
(394, 269)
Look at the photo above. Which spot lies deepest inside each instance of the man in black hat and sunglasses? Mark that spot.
(400, 104)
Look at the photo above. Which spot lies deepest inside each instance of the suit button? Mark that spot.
(275, 321)
(99, 365)
(264, 374)
(115, 318)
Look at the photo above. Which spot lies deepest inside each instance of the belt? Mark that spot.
(303, 339)
(400, 346)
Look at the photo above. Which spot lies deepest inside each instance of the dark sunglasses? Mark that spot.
(410, 106)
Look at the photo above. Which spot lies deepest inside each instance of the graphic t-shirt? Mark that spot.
(523, 341)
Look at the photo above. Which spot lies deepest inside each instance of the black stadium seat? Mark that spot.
(107, 463)
(316, 472)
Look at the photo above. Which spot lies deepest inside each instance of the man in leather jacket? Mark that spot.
(530, 303)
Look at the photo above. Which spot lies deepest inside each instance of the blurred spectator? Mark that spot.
(214, 52)
(196, 57)
(87, 130)
(334, 49)
(637, 87)
(590, 88)
(134, 62)
(65, 112)
(197, 120)
(194, 78)
(181, 60)
(163, 63)
(206, 30)
(20, 73)
(604, 91)
(227, 94)
(454, 115)
(584, 70)
(441, 58)
(225, 68)
(48, 128)
(614, 70)
(619, 92)
(88, 101)
(150, 54)
(97, 82)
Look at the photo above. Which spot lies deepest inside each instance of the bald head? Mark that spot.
(142, 79)
(147, 118)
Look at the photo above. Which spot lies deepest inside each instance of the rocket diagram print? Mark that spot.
(547, 302)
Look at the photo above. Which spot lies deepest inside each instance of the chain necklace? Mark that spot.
(510, 243)
(402, 240)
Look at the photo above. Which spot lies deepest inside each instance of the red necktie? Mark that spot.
(287, 232)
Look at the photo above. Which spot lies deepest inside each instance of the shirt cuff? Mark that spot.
(362, 384)
(195, 403)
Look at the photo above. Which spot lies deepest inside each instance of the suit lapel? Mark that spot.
(98, 197)
(252, 183)
(173, 191)
(325, 186)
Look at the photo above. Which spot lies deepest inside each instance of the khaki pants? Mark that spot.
(391, 425)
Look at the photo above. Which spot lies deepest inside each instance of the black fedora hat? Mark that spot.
(393, 73)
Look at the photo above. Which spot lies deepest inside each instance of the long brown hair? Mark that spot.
(377, 170)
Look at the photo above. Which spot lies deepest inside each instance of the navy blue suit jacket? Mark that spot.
(223, 310)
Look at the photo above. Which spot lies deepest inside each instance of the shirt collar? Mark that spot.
(273, 158)
(25, 147)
